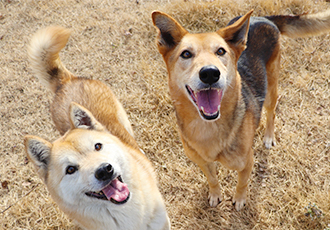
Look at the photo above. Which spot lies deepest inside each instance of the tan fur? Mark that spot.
(308, 25)
(87, 114)
(227, 136)
(273, 67)
(44, 51)
(94, 95)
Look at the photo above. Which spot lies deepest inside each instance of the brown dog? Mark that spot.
(95, 172)
(219, 83)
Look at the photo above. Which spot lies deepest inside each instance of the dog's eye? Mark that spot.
(221, 51)
(71, 169)
(98, 146)
(186, 54)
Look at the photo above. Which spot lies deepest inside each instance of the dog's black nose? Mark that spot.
(104, 172)
(209, 74)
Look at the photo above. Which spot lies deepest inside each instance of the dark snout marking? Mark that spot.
(209, 74)
(104, 172)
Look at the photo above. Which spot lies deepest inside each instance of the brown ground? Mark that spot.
(113, 40)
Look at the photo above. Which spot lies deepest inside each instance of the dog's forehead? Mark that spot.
(78, 148)
(70, 147)
(203, 41)
(82, 141)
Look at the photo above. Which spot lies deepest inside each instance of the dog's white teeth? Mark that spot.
(218, 107)
(121, 179)
(99, 193)
(202, 108)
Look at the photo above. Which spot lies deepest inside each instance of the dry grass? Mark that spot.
(113, 41)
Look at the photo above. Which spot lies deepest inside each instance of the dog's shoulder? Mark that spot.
(263, 40)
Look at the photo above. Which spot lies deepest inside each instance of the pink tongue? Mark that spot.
(116, 190)
(210, 100)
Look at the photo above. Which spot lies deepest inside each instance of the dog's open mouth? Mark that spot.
(116, 191)
(208, 101)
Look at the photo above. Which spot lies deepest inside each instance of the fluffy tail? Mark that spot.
(44, 51)
(302, 25)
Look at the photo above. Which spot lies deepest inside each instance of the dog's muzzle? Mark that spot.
(208, 98)
(115, 189)
(104, 172)
(209, 74)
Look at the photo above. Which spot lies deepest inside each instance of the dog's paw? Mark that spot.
(239, 203)
(269, 142)
(215, 198)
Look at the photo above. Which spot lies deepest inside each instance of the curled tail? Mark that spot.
(302, 25)
(44, 51)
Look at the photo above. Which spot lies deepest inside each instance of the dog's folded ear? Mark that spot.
(38, 151)
(236, 33)
(170, 32)
(81, 118)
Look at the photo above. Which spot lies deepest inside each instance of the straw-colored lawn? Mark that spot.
(114, 41)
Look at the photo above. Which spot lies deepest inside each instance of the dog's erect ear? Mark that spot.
(170, 32)
(38, 151)
(81, 118)
(236, 33)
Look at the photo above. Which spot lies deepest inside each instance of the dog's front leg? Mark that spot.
(209, 170)
(239, 199)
